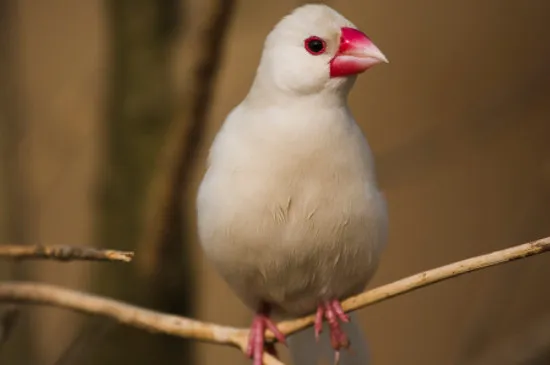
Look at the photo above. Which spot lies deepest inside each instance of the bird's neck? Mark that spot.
(264, 93)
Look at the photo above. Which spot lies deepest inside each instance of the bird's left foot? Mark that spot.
(332, 311)
(256, 339)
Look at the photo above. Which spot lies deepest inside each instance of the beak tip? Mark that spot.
(379, 55)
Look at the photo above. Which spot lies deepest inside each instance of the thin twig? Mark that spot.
(428, 278)
(8, 319)
(184, 327)
(63, 253)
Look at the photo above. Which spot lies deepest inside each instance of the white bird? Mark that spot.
(289, 211)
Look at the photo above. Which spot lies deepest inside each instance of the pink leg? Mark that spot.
(256, 339)
(332, 311)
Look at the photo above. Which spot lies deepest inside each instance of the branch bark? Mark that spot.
(185, 327)
(63, 253)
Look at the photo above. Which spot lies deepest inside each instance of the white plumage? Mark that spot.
(289, 211)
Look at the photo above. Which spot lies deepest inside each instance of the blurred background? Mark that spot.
(107, 109)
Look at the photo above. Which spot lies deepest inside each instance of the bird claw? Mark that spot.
(336, 357)
(332, 311)
(256, 339)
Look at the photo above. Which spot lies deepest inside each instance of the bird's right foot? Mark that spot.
(332, 311)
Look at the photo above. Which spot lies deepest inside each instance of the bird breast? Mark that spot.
(292, 223)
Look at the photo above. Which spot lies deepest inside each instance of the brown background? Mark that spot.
(459, 122)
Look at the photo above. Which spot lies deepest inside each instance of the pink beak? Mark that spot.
(356, 54)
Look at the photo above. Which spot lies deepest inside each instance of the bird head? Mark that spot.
(315, 49)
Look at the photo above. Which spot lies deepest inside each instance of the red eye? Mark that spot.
(315, 45)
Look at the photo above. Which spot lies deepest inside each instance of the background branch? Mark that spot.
(184, 327)
(85, 342)
(8, 319)
(528, 345)
(63, 253)
(164, 214)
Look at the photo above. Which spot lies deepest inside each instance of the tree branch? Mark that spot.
(63, 253)
(184, 327)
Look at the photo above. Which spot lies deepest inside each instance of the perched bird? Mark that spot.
(289, 211)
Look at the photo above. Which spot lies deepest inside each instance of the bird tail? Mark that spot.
(305, 350)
